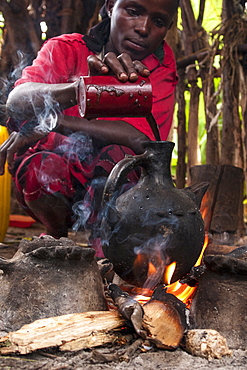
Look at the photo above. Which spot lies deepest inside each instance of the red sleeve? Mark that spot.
(61, 59)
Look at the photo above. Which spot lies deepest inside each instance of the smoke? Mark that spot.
(88, 210)
(23, 60)
(72, 149)
(76, 146)
(153, 254)
(82, 210)
(47, 119)
(46, 116)
(7, 81)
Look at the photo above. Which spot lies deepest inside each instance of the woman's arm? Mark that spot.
(30, 99)
(110, 132)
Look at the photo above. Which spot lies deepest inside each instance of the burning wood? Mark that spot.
(162, 320)
(192, 277)
(128, 307)
(165, 319)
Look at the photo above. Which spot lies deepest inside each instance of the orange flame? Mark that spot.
(182, 291)
(151, 269)
(169, 272)
(206, 242)
(142, 298)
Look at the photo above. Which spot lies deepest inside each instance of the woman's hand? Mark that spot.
(17, 143)
(122, 66)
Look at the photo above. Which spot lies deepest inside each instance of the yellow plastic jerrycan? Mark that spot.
(5, 192)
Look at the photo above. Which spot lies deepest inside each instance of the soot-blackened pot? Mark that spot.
(153, 224)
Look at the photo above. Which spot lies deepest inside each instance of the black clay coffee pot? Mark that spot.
(154, 224)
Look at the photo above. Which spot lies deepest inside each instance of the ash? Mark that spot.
(154, 359)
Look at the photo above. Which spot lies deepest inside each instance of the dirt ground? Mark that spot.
(52, 359)
(155, 359)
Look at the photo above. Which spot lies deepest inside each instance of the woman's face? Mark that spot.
(139, 26)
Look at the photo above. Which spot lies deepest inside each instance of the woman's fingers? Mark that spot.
(133, 68)
(17, 143)
(96, 66)
(122, 66)
(4, 150)
(119, 66)
(141, 69)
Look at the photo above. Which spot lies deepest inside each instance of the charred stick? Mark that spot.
(193, 276)
(106, 269)
(131, 350)
(104, 357)
(129, 308)
(120, 355)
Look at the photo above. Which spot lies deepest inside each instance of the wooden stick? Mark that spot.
(127, 355)
(104, 357)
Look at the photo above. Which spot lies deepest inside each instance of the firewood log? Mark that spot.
(164, 319)
(68, 332)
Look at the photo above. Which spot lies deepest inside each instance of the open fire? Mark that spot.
(182, 291)
(159, 317)
(158, 305)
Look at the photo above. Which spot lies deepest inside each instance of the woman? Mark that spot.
(49, 173)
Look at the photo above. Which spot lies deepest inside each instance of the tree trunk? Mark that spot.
(193, 147)
(67, 16)
(222, 205)
(190, 29)
(20, 35)
(232, 148)
(181, 163)
(231, 151)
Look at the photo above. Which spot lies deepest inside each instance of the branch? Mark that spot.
(201, 12)
(190, 59)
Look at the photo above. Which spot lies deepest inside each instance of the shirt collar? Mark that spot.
(154, 60)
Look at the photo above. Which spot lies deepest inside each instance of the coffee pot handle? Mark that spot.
(118, 175)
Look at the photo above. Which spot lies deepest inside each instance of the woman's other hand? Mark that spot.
(17, 143)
